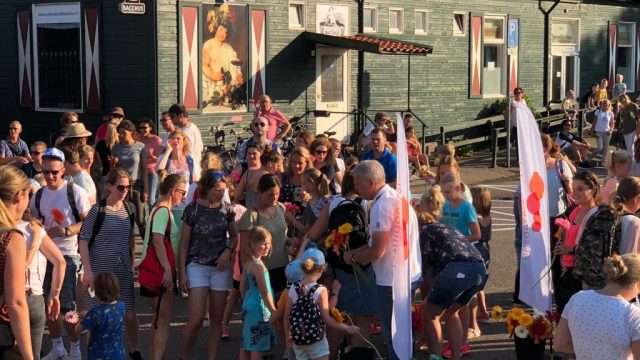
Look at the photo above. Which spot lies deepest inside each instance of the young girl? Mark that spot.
(255, 289)
(105, 321)
(312, 265)
(270, 162)
(618, 165)
(482, 203)
(448, 164)
(603, 127)
(315, 184)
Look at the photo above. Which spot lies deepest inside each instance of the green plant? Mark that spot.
(498, 107)
(465, 151)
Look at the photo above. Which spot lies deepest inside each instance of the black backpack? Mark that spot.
(70, 198)
(600, 239)
(305, 321)
(102, 209)
(348, 211)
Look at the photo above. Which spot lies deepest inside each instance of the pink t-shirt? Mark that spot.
(154, 148)
(275, 118)
(570, 238)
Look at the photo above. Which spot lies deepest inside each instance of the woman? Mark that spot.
(176, 159)
(68, 117)
(208, 236)
(585, 194)
(314, 183)
(152, 142)
(14, 200)
(603, 127)
(172, 189)
(324, 160)
(104, 158)
(627, 203)
(131, 156)
(629, 112)
(299, 160)
(270, 214)
(110, 249)
(603, 324)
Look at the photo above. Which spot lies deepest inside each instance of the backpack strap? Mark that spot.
(167, 231)
(72, 202)
(131, 211)
(97, 224)
(37, 203)
(313, 290)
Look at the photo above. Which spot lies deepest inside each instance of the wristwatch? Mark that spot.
(67, 232)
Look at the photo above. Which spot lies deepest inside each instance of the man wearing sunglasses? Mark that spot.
(35, 167)
(14, 150)
(260, 129)
(180, 117)
(275, 119)
(61, 207)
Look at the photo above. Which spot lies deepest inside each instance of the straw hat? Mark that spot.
(76, 130)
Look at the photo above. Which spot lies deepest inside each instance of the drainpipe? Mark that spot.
(546, 52)
(360, 85)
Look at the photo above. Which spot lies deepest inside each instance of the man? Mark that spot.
(13, 150)
(383, 155)
(35, 167)
(115, 117)
(573, 144)
(168, 126)
(275, 118)
(260, 128)
(384, 226)
(180, 117)
(61, 207)
(382, 121)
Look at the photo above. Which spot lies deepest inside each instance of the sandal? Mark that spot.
(473, 333)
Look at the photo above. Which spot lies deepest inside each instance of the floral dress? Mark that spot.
(257, 334)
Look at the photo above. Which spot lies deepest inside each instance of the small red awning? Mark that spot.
(370, 43)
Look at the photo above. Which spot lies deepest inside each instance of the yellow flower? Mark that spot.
(497, 312)
(516, 312)
(345, 229)
(329, 240)
(337, 315)
(525, 320)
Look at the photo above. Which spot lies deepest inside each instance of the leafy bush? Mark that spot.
(498, 107)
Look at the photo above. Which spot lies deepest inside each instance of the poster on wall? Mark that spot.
(332, 20)
(224, 58)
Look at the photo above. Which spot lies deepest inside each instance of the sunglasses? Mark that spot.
(218, 176)
(36, 153)
(260, 124)
(143, 128)
(321, 151)
(123, 188)
(51, 172)
(181, 192)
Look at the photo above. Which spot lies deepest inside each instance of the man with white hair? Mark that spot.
(14, 150)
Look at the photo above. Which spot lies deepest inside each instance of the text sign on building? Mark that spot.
(57, 14)
(132, 7)
(512, 41)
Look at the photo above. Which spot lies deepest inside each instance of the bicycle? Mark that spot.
(227, 156)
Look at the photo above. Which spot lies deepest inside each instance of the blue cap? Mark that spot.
(316, 255)
(293, 271)
(53, 153)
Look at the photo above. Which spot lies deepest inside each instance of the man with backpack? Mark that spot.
(61, 207)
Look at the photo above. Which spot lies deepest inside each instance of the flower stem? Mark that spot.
(378, 356)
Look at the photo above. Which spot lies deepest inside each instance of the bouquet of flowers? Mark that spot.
(339, 239)
(290, 207)
(521, 324)
(416, 318)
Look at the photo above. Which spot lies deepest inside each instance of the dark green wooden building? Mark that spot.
(442, 59)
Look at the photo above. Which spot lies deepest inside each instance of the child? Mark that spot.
(294, 273)
(257, 295)
(618, 165)
(105, 322)
(482, 203)
(568, 105)
(430, 203)
(308, 309)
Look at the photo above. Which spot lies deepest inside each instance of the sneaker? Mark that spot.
(465, 350)
(54, 355)
(225, 332)
(206, 323)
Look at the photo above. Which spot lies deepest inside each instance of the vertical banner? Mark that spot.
(92, 58)
(513, 43)
(613, 48)
(189, 57)
(24, 59)
(475, 61)
(535, 258)
(401, 331)
(258, 54)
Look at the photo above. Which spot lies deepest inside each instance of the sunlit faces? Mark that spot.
(261, 249)
(253, 156)
(122, 187)
(321, 153)
(177, 140)
(270, 197)
(298, 164)
(275, 168)
(217, 191)
(451, 191)
(124, 136)
(53, 171)
(178, 193)
(378, 142)
(582, 194)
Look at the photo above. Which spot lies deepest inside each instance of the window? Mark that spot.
(370, 19)
(565, 32)
(459, 23)
(493, 56)
(58, 55)
(296, 16)
(625, 57)
(396, 21)
(422, 22)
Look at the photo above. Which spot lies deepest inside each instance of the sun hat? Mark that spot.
(76, 130)
(53, 153)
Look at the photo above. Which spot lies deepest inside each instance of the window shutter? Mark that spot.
(190, 43)
(475, 55)
(25, 74)
(91, 23)
(257, 52)
(613, 48)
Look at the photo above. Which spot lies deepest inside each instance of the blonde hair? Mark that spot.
(481, 199)
(185, 139)
(613, 158)
(210, 160)
(300, 152)
(447, 160)
(85, 150)
(12, 181)
(318, 180)
(310, 267)
(444, 150)
(434, 197)
(622, 270)
(257, 234)
(111, 137)
(451, 178)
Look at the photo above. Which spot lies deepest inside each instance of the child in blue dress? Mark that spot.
(258, 304)
(105, 321)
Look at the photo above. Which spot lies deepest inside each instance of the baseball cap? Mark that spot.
(53, 153)
(314, 254)
(293, 272)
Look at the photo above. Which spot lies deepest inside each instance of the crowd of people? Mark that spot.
(300, 240)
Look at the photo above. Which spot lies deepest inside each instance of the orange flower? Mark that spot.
(337, 315)
(58, 216)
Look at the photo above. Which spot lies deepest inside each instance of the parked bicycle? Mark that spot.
(227, 155)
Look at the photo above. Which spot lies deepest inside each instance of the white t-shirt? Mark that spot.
(57, 199)
(603, 119)
(602, 327)
(293, 294)
(38, 266)
(384, 217)
(84, 180)
(197, 146)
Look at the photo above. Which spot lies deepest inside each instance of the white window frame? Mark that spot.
(374, 20)
(36, 81)
(631, 84)
(465, 20)
(503, 55)
(425, 13)
(576, 47)
(400, 29)
(304, 15)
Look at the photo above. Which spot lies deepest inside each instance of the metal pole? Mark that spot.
(409, 82)
(508, 135)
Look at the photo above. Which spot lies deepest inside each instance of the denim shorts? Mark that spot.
(68, 290)
(458, 282)
(200, 275)
(313, 351)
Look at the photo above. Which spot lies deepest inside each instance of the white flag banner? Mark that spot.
(401, 329)
(535, 258)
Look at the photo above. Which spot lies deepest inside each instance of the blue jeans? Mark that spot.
(68, 290)
(385, 310)
(153, 187)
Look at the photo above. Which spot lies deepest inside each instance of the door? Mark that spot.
(564, 69)
(331, 91)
